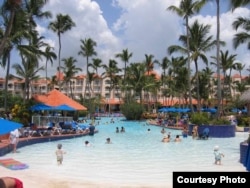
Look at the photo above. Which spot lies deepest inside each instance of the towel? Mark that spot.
(13, 164)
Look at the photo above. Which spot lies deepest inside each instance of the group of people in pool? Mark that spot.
(167, 138)
(184, 134)
(120, 131)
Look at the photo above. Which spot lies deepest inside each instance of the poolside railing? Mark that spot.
(108, 115)
(45, 120)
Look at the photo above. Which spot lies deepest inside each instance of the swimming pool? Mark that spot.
(136, 158)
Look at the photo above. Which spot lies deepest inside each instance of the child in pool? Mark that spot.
(59, 154)
(217, 155)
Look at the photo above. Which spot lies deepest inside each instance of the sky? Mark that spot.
(141, 26)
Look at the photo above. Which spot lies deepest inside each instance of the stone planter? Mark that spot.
(216, 131)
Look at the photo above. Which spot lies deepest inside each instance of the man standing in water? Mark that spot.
(14, 139)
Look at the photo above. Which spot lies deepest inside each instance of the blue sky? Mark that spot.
(141, 26)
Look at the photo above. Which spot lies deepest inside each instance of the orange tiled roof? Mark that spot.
(56, 98)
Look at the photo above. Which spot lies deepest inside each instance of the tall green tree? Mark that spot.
(111, 71)
(200, 44)
(50, 56)
(12, 7)
(70, 70)
(186, 9)
(87, 50)
(18, 33)
(242, 37)
(136, 79)
(218, 63)
(96, 64)
(60, 25)
(125, 57)
(238, 3)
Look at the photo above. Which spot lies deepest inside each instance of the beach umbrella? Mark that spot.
(172, 109)
(40, 107)
(184, 110)
(164, 109)
(7, 126)
(64, 107)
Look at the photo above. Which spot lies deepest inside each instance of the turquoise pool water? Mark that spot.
(136, 158)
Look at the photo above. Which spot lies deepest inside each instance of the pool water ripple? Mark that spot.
(135, 158)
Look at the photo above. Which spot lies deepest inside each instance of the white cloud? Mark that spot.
(227, 32)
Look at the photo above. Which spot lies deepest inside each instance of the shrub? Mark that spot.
(243, 120)
(199, 118)
(220, 121)
(132, 111)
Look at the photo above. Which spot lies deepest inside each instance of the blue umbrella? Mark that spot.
(211, 110)
(183, 110)
(40, 107)
(172, 109)
(7, 126)
(164, 109)
(63, 107)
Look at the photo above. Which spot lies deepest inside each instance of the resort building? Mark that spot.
(77, 87)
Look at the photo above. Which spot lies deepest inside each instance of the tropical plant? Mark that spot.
(200, 43)
(132, 110)
(12, 7)
(62, 24)
(186, 9)
(87, 50)
(50, 56)
(70, 70)
(124, 56)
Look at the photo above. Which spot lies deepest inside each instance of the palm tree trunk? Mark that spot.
(188, 74)
(218, 59)
(7, 32)
(59, 61)
(6, 83)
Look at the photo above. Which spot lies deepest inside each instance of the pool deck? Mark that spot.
(5, 146)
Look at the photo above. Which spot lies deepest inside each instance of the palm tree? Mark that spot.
(33, 9)
(243, 36)
(200, 43)
(18, 33)
(11, 6)
(62, 24)
(164, 65)
(124, 56)
(27, 70)
(227, 64)
(111, 71)
(218, 58)
(238, 3)
(87, 50)
(70, 70)
(149, 62)
(97, 63)
(186, 9)
(205, 86)
(136, 79)
(50, 56)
